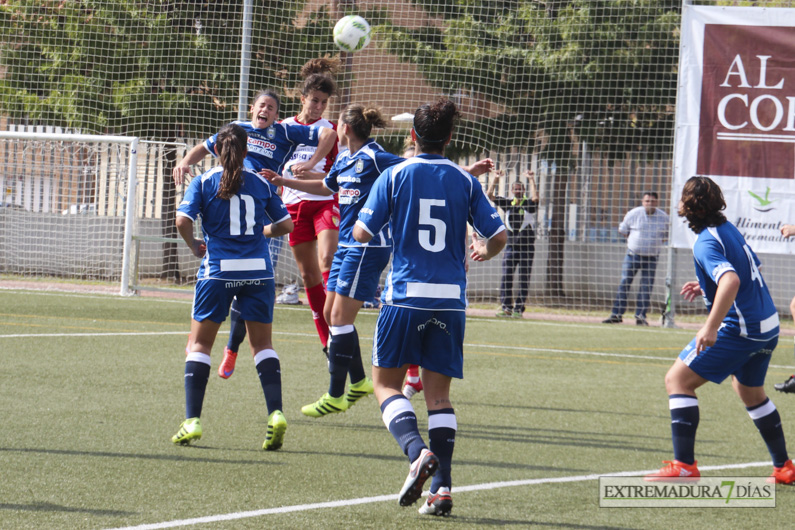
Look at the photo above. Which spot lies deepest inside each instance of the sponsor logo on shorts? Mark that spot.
(342, 283)
(434, 322)
(240, 283)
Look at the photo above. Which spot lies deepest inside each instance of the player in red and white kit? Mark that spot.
(316, 217)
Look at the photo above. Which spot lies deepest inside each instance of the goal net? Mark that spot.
(581, 92)
(64, 202)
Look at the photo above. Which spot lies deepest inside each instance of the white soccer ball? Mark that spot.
(351, 33)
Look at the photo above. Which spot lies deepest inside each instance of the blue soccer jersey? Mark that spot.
(721, 249)
(236, 248)
(272, 146)
(427, 202)
(352, 177)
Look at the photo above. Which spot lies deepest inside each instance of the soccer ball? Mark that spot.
(351, 33)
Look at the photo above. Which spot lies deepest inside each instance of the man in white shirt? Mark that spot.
(646, 229)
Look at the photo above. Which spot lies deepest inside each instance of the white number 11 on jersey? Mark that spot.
(234, 215)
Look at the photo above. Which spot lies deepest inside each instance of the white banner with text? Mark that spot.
(735, 118)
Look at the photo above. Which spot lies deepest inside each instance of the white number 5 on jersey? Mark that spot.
(440, 229)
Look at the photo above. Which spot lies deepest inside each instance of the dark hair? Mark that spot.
(231, 144)
(701, 203)
(652, 194)
(267, 93)
(317, 74)
(362, 119)
(433, 124)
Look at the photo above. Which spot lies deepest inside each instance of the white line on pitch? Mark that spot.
(384, 498)
(367, 340)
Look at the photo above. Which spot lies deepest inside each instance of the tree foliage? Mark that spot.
(156, 69)
(609, 67)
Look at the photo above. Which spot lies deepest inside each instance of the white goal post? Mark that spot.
(63, 205)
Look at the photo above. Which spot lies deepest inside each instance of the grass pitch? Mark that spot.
(91, 393)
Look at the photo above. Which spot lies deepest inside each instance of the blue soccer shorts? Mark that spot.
(255, 298)
(356, 271)
(431, 339)
(731, 354)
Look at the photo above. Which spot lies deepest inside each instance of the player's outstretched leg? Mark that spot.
(237, 332)
(361, 385)
(317, 299)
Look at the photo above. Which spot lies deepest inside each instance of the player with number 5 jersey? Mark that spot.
(427, 202)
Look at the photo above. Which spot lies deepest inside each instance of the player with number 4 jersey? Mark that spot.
(736, 341)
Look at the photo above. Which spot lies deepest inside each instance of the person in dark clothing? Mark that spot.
(520, 222)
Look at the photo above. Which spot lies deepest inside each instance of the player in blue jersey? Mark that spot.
(270, 146)
(426, 201)
(238, 209)
(357, 267)
(737, 339)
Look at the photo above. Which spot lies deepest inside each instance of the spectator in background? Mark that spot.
(519, 221)
(788, 386)
(646, 230)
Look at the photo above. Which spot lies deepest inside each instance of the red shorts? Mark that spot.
(312, 217)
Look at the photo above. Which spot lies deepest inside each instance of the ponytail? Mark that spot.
(231, 145)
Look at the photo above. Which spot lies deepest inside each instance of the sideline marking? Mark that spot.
(383, 498)
(366, 340)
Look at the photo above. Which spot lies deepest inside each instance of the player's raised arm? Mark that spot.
(480, 167)
(182, 169)
(315, 187)
(328, 137)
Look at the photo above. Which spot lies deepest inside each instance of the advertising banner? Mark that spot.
(735, 120)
